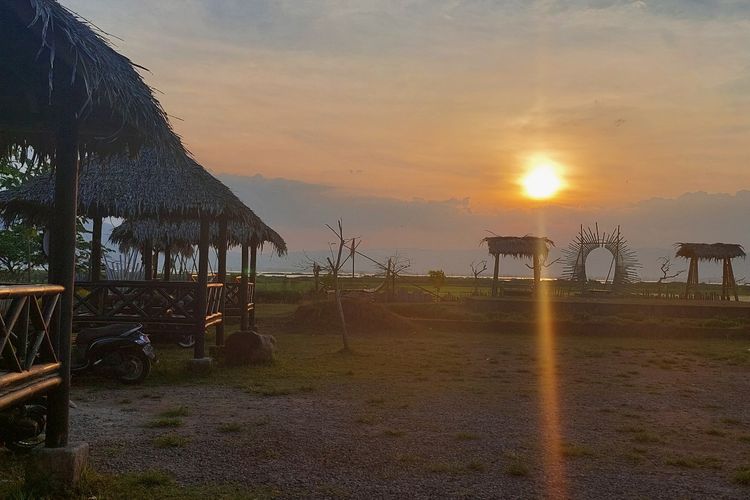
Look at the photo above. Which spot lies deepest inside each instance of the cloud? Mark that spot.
(449, 231)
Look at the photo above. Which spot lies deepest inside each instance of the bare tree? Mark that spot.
(666, 267)
(477, 268)
(335, 265)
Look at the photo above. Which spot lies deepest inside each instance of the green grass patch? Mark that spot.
(742, 476)
(165, 422)
(170, 441)
(180, 411)
(230, 428)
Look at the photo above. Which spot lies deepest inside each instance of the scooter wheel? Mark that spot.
(186, 341)
(134, 369)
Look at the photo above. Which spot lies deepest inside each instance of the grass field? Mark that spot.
(428, 414)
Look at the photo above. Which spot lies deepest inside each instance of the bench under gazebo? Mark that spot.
(66, 95)
(535, 248)
(712, 252)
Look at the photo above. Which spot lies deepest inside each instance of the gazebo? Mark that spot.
(535, 248)
(133, 234)
(66, 94)
(171, 187)
(716, 252)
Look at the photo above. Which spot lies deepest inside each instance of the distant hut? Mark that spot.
(65, 92)
(716, 252)
(535, 248)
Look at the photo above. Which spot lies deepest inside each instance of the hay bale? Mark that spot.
(362, 317)
(248, 348)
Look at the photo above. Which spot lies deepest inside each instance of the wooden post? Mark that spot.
(495, 274)
(148, 260)
(253, 276)
(167, 263)
(692, 279)
(732, 282)
(537, 272)
(222, 275)
(155, 275)
(244, 281)
(96, 250)
(62, 261)
(201, 306)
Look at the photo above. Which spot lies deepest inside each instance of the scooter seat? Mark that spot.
(88, 335)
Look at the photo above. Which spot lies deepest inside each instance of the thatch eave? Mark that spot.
(709, 251)
(153, 184)
(519, 247)
(53, 60)
(132, 234)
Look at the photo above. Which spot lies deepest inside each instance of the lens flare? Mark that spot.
(549, 399)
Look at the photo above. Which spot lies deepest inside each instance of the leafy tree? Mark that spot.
(20, 248)
(437, 279)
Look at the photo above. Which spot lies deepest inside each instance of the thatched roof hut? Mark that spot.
(715, 252)
(151, 184)
(52, 59)
(519, 247)
(132, 234)
(710, 251)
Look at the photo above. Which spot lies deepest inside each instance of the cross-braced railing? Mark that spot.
(232, 299)
(163, 307)
(29, 364)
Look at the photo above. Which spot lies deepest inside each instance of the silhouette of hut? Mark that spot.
(535, 248)
(65, 92)
(715, 252)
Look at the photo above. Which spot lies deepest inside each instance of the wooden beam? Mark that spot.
(495, 275)
(202, 295)
(167, 263)
(148, 260)
(63, 261)
(96, 250)
(244, 281)
(253, 276)
(222, 274)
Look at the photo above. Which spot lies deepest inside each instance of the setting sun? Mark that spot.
(542, 181)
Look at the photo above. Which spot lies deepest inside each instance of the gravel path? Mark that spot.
(633, 428)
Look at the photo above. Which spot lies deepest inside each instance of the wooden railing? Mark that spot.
(161, 306)
(232, 303)
(29, 364)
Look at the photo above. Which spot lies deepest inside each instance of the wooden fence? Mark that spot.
(29, 364)
(163, 307)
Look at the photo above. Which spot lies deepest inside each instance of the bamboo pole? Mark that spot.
(222, 275)
(244, 283)
(253, 277)
(201, 305)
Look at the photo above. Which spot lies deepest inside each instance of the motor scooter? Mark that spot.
(22, 426)
(121, 350)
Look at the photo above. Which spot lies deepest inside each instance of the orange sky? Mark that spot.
(449, 99)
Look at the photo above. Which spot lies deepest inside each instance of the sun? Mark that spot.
(542, 181)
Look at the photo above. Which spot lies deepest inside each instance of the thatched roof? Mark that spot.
(134, 233)
(51, 58)
(519, 246)
(710, 251)
(150, 185)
